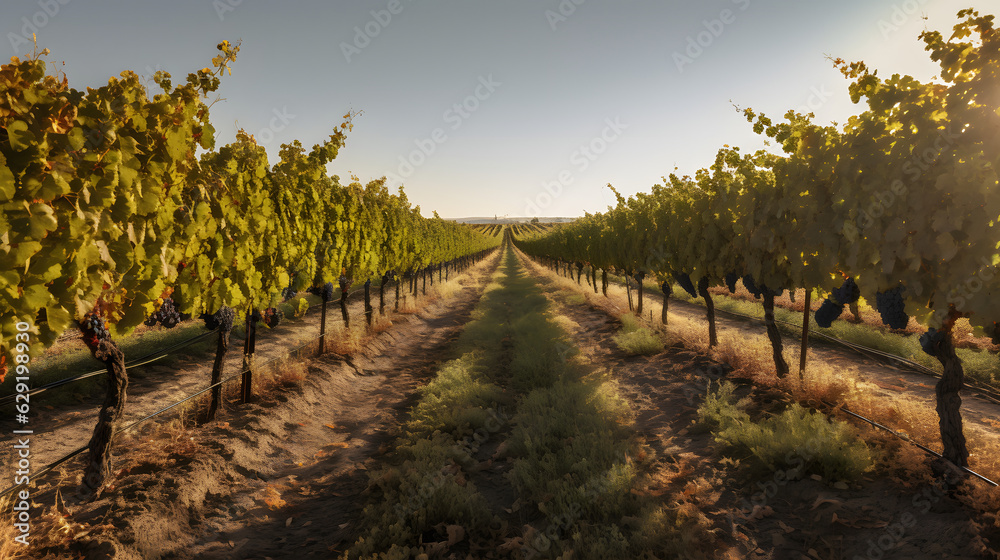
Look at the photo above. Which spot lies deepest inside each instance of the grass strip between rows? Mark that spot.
(564, 451)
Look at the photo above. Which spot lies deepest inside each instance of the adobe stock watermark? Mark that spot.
(581, 159)
(960, 295)
(223, 7)
(562, 13)
(902, 13)
(455, 116)
(31, 25)
(365, 34)
(280, 121)
(818, 97)
(714, 28)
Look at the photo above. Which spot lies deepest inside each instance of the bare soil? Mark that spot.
(280, 477)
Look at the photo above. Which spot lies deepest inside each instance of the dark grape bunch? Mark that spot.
(828, 313)
(667, 289)
(847, 293)
(751, 286)
(703, 285)
(639, 276)
(731, 279)
(930, 340)
(273, 317)
(221, 319)
(94, 331)
(325, 291)
(890, 305)
(288, 293)
(255, 317)
(684, 281)
(166, 315)
(344, 283)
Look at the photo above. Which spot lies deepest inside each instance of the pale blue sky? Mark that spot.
(506, 97)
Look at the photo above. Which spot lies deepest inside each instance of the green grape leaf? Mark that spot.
(20, 137)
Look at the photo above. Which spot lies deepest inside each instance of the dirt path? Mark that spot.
(806, 518)
(59, 431)
(281, 477)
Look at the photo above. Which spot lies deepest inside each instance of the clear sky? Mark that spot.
(513, 108)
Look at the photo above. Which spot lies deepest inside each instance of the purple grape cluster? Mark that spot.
(684, 281)
(288, 293)
(703, 284)
(325, 291)
(273, 317)
(892, 308)
(95, 325)
(828, 313)
(731, 279)
(167, 315)
(847, 293)
(751, 287)
(667, 289)
(222, 319)
(930, 340)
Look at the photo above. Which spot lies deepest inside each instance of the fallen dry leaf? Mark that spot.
(820, 500)
(455, 534)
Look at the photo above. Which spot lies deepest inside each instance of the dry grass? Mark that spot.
(566, 324)
(160, 445)
(49, 528)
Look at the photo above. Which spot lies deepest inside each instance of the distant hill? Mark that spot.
(513, 220)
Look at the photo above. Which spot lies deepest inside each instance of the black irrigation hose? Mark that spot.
(907, 438)
(141, 361)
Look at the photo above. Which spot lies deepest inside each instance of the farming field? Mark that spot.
(217, 341)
